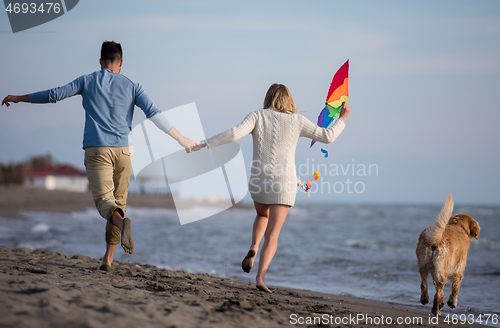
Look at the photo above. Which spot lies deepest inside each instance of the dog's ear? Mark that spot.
(474, 228)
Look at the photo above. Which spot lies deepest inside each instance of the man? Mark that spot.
(108, 99)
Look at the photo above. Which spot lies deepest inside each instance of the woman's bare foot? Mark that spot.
(247, 263)
(261, 285)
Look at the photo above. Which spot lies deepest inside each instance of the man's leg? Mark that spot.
(99, 162)
(121, 180)
(107, 259)
(121, 174)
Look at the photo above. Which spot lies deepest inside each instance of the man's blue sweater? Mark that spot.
(108, 99)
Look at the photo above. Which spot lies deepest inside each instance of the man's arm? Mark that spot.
(155, 115)
(15, 99)
(48, 96)
(163, 124)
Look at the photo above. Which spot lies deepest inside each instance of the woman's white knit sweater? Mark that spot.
(273, 178)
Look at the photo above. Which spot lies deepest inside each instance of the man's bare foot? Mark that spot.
(107, 259)
(126, 240)
(105, 267)
(106, 264)
(247, 262)
(261, 285)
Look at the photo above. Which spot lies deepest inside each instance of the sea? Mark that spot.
(361, 250)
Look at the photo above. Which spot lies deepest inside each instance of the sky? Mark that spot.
(423, 84)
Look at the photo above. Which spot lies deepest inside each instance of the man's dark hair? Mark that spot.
(111, 51)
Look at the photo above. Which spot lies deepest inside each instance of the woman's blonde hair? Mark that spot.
(279, 98)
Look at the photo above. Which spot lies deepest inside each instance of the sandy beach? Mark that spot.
(42, 288)
(50, 289)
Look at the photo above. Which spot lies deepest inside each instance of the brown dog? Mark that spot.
(442, 250)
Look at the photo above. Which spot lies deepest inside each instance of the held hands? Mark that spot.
(344, 112)
(197, 147)
(190, 145)
(187, 143)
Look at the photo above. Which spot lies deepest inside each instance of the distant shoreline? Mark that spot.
(19, 198)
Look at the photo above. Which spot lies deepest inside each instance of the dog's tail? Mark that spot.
(435, 233)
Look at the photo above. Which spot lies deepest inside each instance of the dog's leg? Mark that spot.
(424, 296)
(439, 281)
(456, 280)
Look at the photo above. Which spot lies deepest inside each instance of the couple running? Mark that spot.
(109, 99)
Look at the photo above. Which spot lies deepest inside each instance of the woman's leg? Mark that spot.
(259, 225)
(277, 218)
(259, 228)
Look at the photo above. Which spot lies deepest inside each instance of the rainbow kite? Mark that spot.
(338, 93)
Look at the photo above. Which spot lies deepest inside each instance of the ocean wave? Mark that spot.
(478, 211)
(364, 212)
(88, 214)
(485, 243)
(338, 213)
(198, 211)
(421, 211)
(363, 244)
(400, 297)
(48, 244)
(145, 212)
(211, 272)
(40, 228)
(493, 273)
(299, 213)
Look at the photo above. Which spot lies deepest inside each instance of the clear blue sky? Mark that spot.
(424, 81)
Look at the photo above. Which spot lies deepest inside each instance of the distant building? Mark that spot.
(63, 177)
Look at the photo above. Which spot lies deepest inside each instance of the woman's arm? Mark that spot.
(312, 131)
(233, 134)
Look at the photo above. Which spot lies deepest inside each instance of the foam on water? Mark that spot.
(366, 244)
(40, 228)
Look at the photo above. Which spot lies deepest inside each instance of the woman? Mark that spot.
(273, 183)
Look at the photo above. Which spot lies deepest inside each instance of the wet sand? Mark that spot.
(50, 289)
